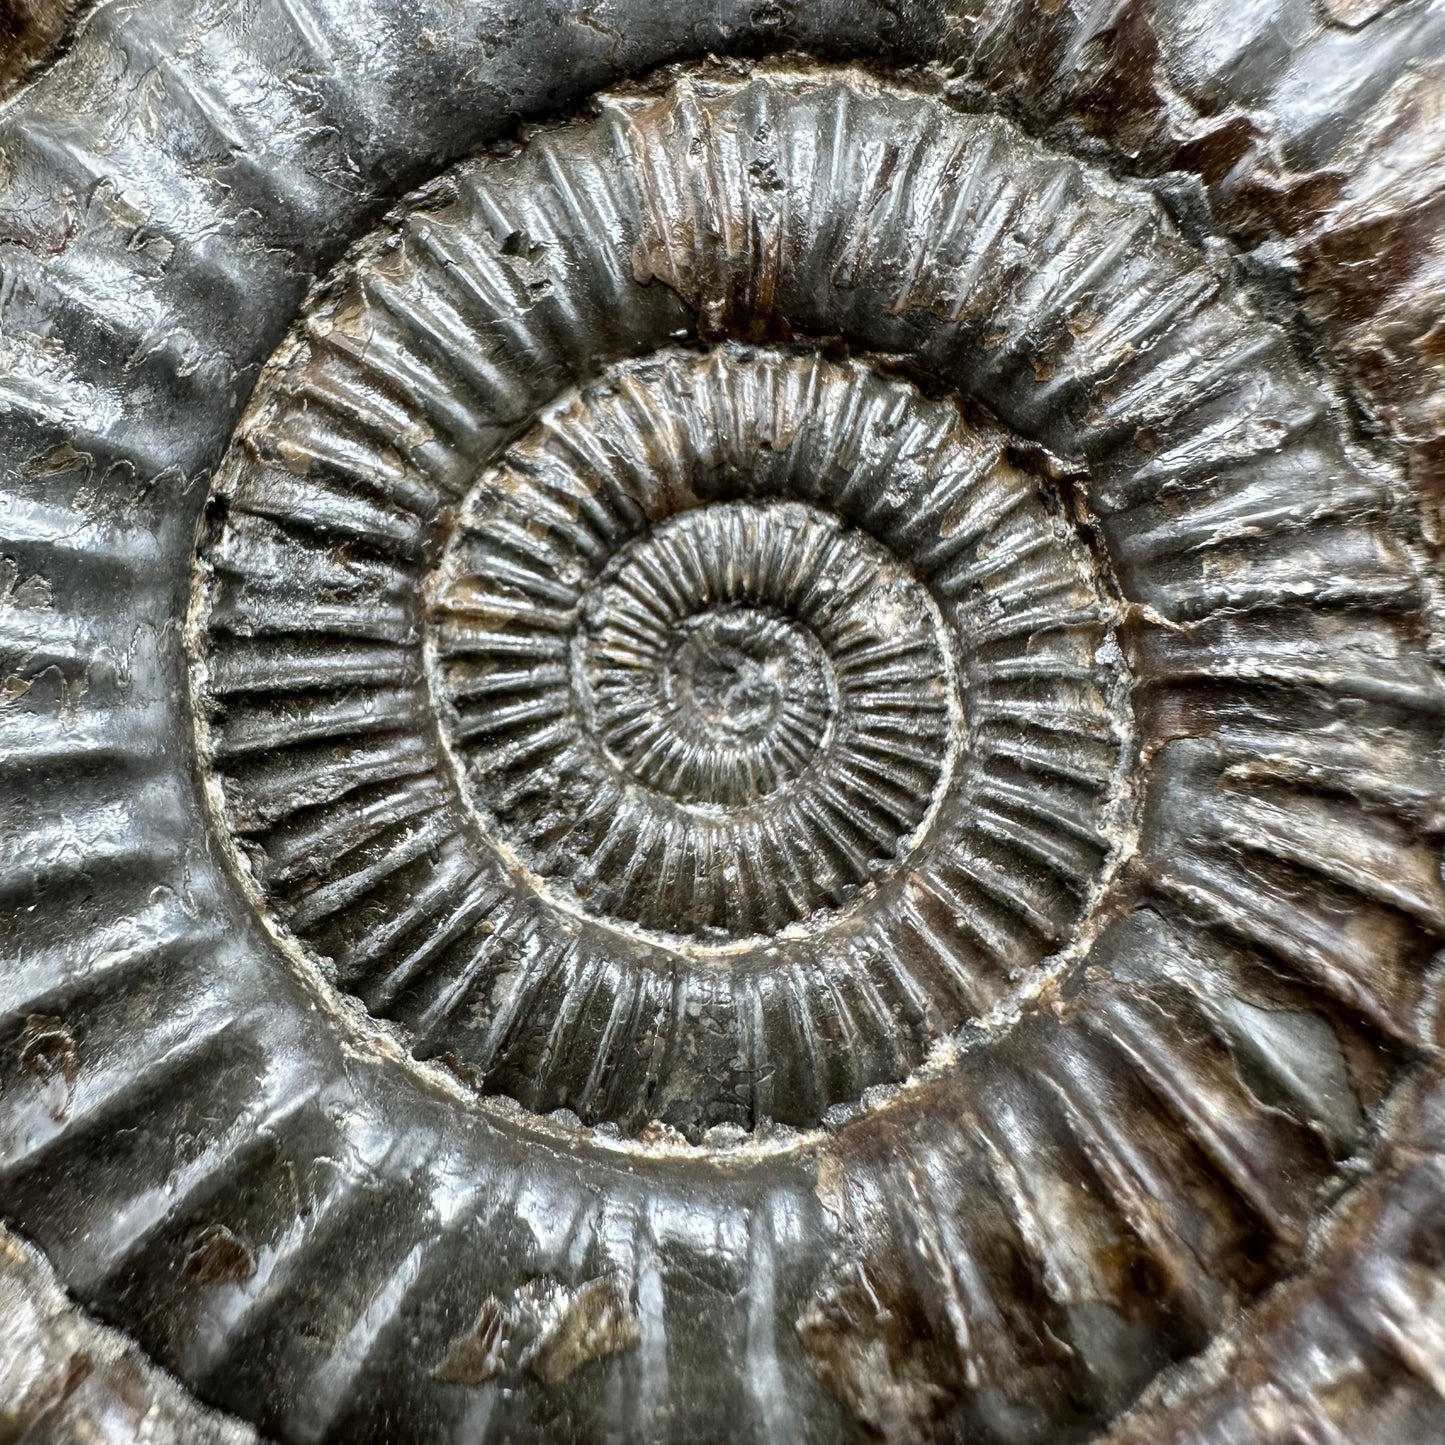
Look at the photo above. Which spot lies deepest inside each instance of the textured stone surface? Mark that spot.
(31, 31)
(65, 1378)
(760, 762)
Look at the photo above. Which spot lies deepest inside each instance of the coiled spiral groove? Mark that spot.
(856, 854)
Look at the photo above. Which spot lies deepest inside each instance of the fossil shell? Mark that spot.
(779, 734)
(771, 771)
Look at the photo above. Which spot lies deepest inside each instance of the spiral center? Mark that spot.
(747, 718)
(701, 661)
(722, 707)
(733, 672)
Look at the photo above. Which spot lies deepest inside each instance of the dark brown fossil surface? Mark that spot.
(722, 723)
(31, 31)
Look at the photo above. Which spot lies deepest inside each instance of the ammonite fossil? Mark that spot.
(722, 723)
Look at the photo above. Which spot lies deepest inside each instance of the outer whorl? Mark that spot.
(770, 773)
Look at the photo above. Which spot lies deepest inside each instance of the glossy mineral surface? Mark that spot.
(760, 762)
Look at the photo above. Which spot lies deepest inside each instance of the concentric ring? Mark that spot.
(741, 687)
(907, 878)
